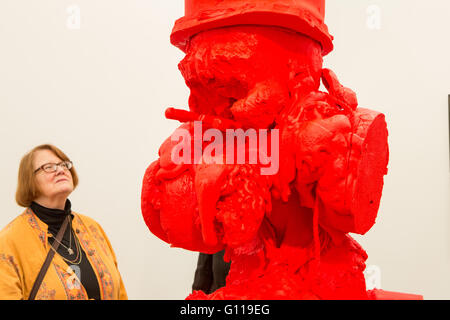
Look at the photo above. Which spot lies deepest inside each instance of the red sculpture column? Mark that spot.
(257, 65)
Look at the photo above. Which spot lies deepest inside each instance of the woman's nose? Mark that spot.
(59, 170)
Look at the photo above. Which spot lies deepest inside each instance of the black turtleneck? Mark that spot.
(54, 219)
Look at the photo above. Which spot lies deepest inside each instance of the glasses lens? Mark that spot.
(67, 164)
(51, 167)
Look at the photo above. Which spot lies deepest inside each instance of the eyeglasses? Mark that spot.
(53, 167)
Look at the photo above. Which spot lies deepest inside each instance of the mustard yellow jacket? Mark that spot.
(24, 247)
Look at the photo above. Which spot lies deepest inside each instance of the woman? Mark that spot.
(84, 266)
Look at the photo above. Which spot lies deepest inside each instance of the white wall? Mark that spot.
(99, 93)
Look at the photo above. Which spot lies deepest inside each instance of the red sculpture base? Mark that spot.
(378, 294)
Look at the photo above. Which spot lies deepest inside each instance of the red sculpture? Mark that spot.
(257, 64)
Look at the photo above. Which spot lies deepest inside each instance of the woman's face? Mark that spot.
(55, 184)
